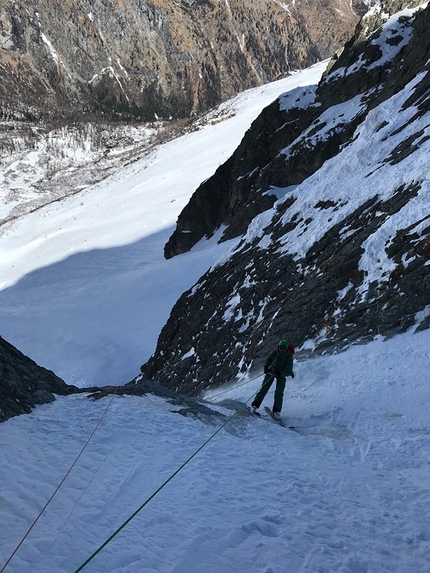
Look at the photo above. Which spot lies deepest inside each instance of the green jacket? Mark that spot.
(282, 364)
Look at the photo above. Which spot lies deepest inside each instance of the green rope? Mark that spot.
(115, 533)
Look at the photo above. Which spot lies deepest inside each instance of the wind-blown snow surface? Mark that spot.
(85, 287)
(348, 493)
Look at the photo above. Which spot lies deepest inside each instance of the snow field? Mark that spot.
(348, 492)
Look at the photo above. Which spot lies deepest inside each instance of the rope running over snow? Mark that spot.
(115, 533)
(147, 501)
(59, 485)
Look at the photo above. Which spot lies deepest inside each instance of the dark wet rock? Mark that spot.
(139, 389)
(24, 384)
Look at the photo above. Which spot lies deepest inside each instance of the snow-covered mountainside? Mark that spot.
(155, 483)
(85, 289)
(343, 255)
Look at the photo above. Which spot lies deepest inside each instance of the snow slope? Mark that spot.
(85, 287)
(349, 492)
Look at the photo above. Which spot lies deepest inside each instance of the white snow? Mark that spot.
(348, 492)
(300, 97)
(331, 121)
(360, 166)
(191, 352)
(85, 286)
(357, 174)
(394, 27)
(51, 49)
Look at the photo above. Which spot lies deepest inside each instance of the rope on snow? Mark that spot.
(59, 485)
(147, 501)
(127, 521)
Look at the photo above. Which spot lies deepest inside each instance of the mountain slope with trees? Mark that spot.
(141, 60)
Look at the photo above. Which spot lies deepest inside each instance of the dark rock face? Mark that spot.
(366, 271)
(241, 187)
(24, 384)
(142, 59)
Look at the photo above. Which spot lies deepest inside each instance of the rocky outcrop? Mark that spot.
(344, 256)
(245, 185)
(24, 384)
(148, 59)
(241, 188)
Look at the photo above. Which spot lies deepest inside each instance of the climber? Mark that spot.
(279, 365)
